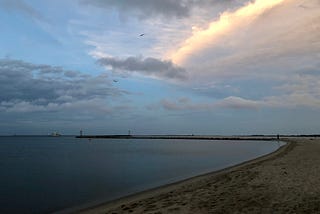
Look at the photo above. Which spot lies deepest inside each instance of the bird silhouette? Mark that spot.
(141, 34)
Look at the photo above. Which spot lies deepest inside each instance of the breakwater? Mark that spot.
(184, 137)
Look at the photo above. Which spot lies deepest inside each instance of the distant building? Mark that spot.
(55, 134)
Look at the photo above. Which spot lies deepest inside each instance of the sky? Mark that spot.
(216, 67)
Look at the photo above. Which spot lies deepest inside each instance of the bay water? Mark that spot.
(41, 174)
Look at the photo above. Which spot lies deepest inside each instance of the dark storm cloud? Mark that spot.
(27, 87)
(148, 66)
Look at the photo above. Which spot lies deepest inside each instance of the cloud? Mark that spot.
(263, 38)
(163, 31)
(226, 23)
(275, 43)
(249, 39)
(168, 9)
(28, 87)
(300, 91)
(22, 7)
(94, 104)
(238, 103)
(148, 66)
(145, 8)
(226, 103)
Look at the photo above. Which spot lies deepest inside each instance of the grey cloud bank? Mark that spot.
(148, 67)
(28, 87)
(145, 9)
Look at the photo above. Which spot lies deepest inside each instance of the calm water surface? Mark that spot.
(46, 174)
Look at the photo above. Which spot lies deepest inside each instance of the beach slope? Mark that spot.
(286, 181)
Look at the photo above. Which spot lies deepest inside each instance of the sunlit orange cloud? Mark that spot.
(227, 22)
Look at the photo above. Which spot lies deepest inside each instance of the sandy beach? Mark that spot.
(286, 181)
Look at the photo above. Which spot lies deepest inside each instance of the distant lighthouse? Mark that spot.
(81, 132)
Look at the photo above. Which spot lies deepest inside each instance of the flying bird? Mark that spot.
(141, 34)
(115, 80)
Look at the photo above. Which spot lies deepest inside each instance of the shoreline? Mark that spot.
(104, 207)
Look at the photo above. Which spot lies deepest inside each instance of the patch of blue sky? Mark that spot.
(44, 42)
(22, 41)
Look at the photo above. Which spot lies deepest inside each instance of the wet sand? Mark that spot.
(286, 181)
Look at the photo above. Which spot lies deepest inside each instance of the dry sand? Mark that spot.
(286, 181)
